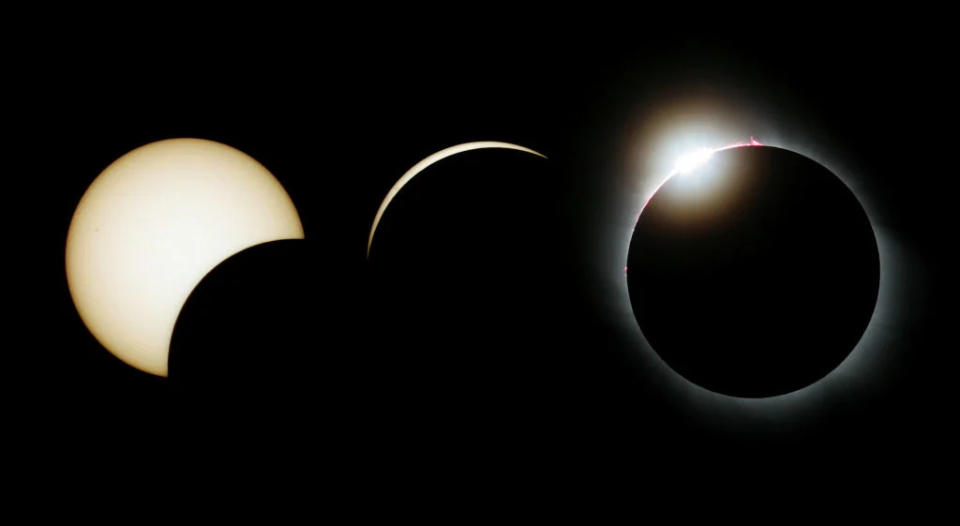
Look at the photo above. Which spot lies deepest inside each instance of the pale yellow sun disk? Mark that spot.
(149, 228)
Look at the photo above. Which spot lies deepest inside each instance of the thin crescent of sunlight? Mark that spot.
(429, 160)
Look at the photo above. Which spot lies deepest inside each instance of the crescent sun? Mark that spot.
(152, 225)
(431, 159)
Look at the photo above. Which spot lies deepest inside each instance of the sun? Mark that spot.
(149, 228)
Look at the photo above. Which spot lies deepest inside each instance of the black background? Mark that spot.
(338, 105)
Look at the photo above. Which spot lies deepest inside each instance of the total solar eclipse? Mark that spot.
(753, 271)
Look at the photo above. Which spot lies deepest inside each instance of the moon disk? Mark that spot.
(753, 271)
(429, 160)
(152, 224)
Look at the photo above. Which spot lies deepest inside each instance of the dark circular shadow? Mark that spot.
(755, 274)
(270, 329)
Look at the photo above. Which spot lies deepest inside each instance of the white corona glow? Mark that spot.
(429, 160)
(149, 228)
(870, 352)
(692, 160)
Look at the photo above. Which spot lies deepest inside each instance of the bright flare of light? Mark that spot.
(149, 228)
(694, 159)
(427, 161)
(690, 161)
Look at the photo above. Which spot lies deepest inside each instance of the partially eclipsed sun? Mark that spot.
(149, 228)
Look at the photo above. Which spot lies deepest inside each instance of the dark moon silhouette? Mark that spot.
(755, 274)
(272, 326)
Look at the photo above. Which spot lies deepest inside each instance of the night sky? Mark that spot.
(492, 320)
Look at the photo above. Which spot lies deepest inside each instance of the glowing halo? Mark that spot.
(715, 406)
(431, 159)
